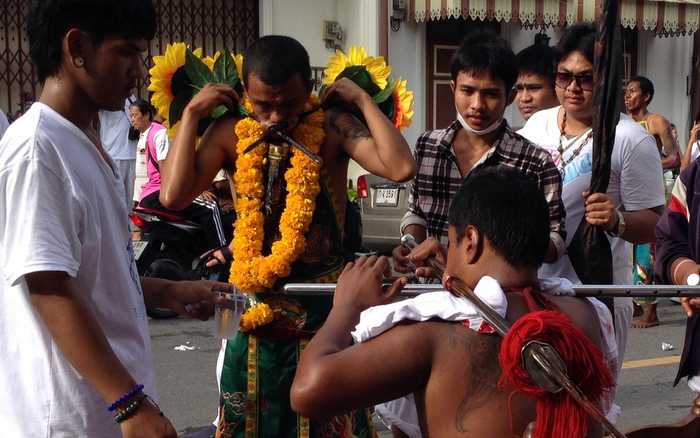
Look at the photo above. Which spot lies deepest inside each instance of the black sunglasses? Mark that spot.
(585, 81)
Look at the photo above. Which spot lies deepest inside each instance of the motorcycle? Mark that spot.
(170, 248)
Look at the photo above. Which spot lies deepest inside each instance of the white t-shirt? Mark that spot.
(4, 124)
(636, 182)
(62, 209)
(160, 141)
(114, 134)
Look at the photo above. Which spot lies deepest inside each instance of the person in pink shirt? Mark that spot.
(204, 210)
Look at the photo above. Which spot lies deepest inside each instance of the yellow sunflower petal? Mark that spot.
(161, 75)
(405, 100)
(209, 61)
(378, 70)
(238, 59)
(336, 65)
(357, 56)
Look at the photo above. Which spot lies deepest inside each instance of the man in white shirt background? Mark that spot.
(75, 350)
(114, 134)
(635, 196)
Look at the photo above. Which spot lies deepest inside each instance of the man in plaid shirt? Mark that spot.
(484, 70)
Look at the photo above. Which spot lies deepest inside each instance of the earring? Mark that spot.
(78, 62)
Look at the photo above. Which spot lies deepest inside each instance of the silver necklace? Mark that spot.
(561, 149)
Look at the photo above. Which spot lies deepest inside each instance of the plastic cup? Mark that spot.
(228, 313)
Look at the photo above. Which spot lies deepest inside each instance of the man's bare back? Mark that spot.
(464, 359)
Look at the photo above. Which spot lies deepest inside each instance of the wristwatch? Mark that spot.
(619, 227)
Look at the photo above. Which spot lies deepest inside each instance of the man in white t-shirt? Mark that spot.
(114, 134)
(633, 170)
(75, 350)
(635, 196)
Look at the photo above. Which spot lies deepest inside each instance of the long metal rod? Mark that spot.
(588, 290)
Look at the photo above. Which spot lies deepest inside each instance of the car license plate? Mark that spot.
(387, 197)
(139, 246)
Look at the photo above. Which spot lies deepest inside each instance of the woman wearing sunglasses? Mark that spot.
(635, 198)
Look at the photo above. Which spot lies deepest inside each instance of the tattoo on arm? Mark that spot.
(482, 367)
(347, 125)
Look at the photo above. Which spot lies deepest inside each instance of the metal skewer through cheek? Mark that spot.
(540, 360)
(275, 131)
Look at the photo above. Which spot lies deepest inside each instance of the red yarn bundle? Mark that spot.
(558, 415)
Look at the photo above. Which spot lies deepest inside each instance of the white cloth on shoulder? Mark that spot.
(443, 305)
(431, 305)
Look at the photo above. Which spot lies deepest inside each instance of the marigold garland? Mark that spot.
(257, 316)
(251, 271)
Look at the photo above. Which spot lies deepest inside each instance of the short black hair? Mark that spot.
(539, 59)
(275, 59)
(579, 37)
(145, 107)
(486, 52)
(645, 85)
(509, 209)
(48, 22)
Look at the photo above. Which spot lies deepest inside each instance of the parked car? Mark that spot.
(383, 204)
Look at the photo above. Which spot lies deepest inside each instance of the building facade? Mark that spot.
(658, 38)
(417, 37)
(210, 24)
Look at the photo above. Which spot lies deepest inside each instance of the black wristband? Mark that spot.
(129, 410)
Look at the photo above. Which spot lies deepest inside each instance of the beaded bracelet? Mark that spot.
(128, 411)
(135, 390)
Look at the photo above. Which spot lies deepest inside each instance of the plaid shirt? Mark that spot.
(439, 178)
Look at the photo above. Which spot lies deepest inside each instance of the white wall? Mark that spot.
(300, 19)
(667, 63)
(407, 55)
(359, 19)
(303, 20)
(407, 58)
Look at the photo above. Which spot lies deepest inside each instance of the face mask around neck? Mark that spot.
(488, 130)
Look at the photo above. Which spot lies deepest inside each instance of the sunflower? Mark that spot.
(168, 75)
(403, 103)
(357, 56)
(237, 59)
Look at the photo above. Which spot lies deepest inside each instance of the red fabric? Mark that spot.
(558, 415)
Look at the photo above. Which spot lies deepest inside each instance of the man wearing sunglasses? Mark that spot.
(635, 197)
